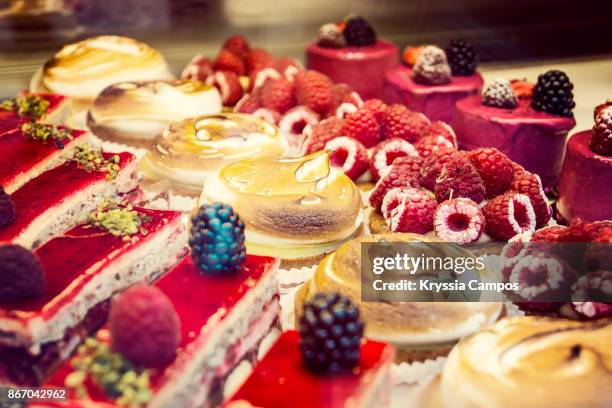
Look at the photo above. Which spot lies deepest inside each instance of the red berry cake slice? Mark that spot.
(29, 107)
(54, 201)
(52, 298)
(190, 339)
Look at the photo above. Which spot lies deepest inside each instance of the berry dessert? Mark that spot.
(136, 112)
(419, 330)
(553, 362)
(296, 209)
(305, 370)
(188, 151)
(432, 79)
(33, 148)
(527, 122)
(54, 201)
(191, 339)
(55, 296)
(83, 69)
(28, 107)
(349, 52)
(587, 172)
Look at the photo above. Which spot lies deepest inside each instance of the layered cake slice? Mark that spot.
(55, 201)
(32, 148)
(191, 338)
(50, 299)
(30, 107)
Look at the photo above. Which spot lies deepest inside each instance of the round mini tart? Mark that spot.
(136, 112)
(188, 151)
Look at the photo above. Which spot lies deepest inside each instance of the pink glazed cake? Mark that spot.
(349, 52)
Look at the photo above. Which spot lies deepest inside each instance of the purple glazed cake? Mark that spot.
(510, 119)
(350, 53)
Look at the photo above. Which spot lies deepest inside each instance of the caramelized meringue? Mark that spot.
(412, 325)
(527, 362)
(292, 207)
(139, 111)
(83, 69)
(188, 151)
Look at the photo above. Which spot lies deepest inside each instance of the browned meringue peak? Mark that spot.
(189, 150)
(142, 110)
(289, 201)
(83, 69)
(527, 362)
(409, 324)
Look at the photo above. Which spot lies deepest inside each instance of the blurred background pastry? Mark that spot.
(136, 112)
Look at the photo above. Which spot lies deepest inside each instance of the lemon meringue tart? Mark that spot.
(188, 151)
(136, 112)
(419, 330)
(526, 362)
(296, 209)
(83, 69)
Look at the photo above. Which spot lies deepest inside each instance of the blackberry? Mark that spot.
(462, 57)
(500, 94)
(21, 274)
(217, 239)
(553, 94)
(358, 32)
(601, 139)
(331, 333)
(7, 208)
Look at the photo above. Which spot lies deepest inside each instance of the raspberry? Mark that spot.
(260, 77)
(377, 107)
(322, 132)
(344, 109)
(426, 146)
(247, 104)
(7, 208)
(349, 155)
(499, 94)
(293, 124)
(144, 326)
(238, 45)
(403, 173)
(288, 67)
(553, 94)
(342, 93)
(398, 121)
(530, 185)
(431, 67)
(548, 234)
(542, 277)
(459, 178)
(508, 215)
(314, 90)
(601, 138)
(494, 167)
(277, 94)
(199, 68)
(439, 128)
(228, 85)
(362, 125)
(409, 210)
(522, 88)
(257, 59)
(580, 231)
(21, 274)
(270, 116)
(432, 166)
(330, 36)
(386, 152)
(592, 310)
(459, 220)
(228, 61)
(331, 333)
(462, 57)
(358, 32)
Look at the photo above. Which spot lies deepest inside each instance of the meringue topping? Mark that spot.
(141, 110)
(289, 202)
(83, 69)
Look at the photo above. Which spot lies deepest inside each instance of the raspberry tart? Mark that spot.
(432, 79)
(291, 374)
(527, 122)
(190, 339)
(55, 296)
(54, 201)
(587, 169)
(349, 52)
(29, 107)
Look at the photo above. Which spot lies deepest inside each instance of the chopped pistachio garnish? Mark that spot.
(116, 376)
(31, 106)
(119, 221)
(93, 160)
(44, 133)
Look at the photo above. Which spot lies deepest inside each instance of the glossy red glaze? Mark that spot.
(282, 380)
(50, 189)
(11, 120)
